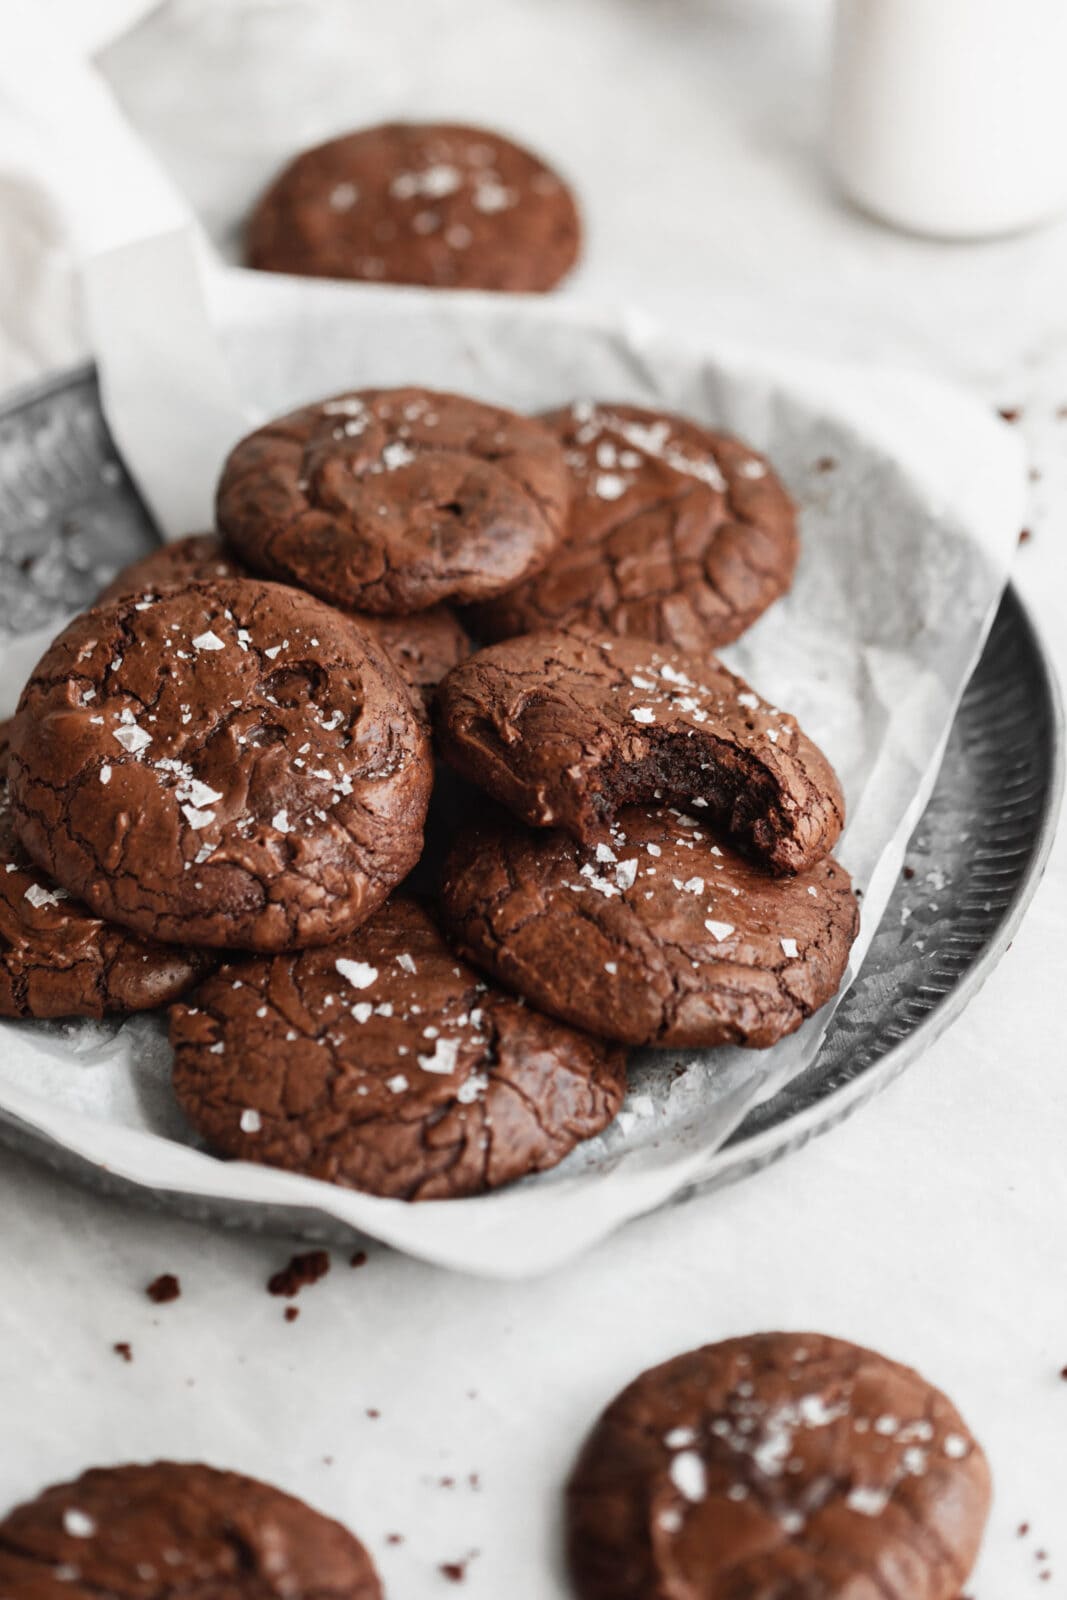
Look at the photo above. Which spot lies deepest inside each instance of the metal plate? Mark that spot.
(69, 517)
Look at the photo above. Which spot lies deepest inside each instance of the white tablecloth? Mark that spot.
(934, 1225)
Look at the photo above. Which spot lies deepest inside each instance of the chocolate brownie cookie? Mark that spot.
(58, 960)
(170, 1529)
(198, 558)
(423, 645)
(656, 935)
(419, 203)
(385, 1063)
(778, 1467)
(392, 500)
(677, 533)
(564, 730)
(230, 764)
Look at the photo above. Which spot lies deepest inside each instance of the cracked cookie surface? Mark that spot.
(229, 765)
(171, 1530)
(563, 730)
(393, 500)
(676, 533)
(777, 1465)
(437, 204)
(58, 960)
(656, 935)
(385, 1063)
(423, 645)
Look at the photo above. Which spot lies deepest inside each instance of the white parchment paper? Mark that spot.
(911, 499)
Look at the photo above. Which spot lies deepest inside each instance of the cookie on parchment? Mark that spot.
(677, 533)
(437, 204)
(173, 1528)
(423, 645)
(230, 765)
(777, 1465)
(385, 1063)
(58, 960)
(393, 500)
(656, 935)
(565, 729)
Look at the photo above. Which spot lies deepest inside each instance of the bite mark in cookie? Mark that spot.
(564, 730)
(231, 765)
(385, 1063)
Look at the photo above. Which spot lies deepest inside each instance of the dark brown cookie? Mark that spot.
(677, 533)
(778, 1467)
(423, 645)
(58, 960)
(656, 935)
(230, 765)
(420, 203)
(392, 500)
(198, 558)
(564, 730)
(170, 1529)
(385, 1063)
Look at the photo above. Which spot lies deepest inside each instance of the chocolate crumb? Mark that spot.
(1063, 1374)
(359, 1259)
(825, 464)
(394, 1538)
(909, 873)
(371, 1412)
(456, 1571)
(302, 1270)
(474, 1480)
(1040, 1555)
(123, 1349)
(1022, 1530)
(1009, 413)
(1025, 536)
(291, 1313)
(163, 1289)
(447, 1483)
(1044, 1576)
(327, 1461)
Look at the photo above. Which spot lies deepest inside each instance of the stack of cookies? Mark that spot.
(221, 776)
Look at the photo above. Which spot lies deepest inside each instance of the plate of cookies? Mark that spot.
(486, 821)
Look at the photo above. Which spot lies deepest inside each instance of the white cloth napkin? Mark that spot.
(73, 177)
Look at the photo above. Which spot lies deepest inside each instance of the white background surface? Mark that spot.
(935, 1225)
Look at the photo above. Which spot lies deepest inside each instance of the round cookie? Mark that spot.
(58, 960)
(392, 500)
(384, 1063)
(563, 730)
(198, 558)
(230, 765)
(654, 936)
(419, 203)
(779, 1465)
(677, 533)
(423, 646)
(175, 1528)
